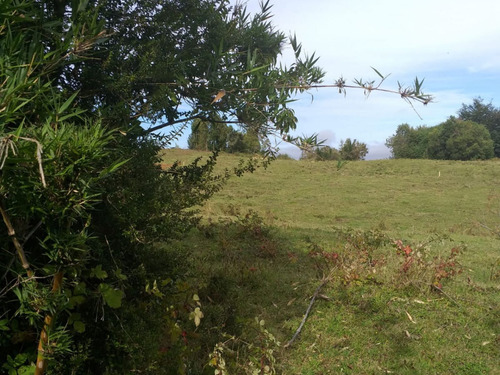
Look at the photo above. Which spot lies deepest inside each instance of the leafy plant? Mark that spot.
(418, 267)
(354, 259)
(260, 353)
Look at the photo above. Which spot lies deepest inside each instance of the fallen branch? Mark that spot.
(446, 295)
(315, 295)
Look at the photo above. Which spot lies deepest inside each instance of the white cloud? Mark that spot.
(378, 151)
(328, 136)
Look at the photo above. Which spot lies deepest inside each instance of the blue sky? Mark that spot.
(454, 45)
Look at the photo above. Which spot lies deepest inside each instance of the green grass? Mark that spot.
(388, 322)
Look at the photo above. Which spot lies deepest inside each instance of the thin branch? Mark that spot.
(27, 237)
(315, 295)
(494, 231)
(446, 295)
(339, 84)
(195, 117)
(170, 123)
(175, 134)
(406, 93)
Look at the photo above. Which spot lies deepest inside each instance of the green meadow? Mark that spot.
(271, 240)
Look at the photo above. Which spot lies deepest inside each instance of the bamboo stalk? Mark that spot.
(12, 234)
(41, 361)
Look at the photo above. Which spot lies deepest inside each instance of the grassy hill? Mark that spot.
(428, 305)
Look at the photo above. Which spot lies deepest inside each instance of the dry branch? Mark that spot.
(315, 295)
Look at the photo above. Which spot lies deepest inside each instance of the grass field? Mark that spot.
(270, 238)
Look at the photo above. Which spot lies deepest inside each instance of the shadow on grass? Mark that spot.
(245, 268)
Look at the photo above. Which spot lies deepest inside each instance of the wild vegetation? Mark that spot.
(404, 253)
(95, 277)
(314, 149)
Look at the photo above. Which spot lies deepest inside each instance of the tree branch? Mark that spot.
(201, 117)
(315, 295)
(408, 94)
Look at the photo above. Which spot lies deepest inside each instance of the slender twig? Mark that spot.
(186, 119)
(297, 332)
(424, 99)
(177, 132)
(494, 231)
(39, 151)
(27, 237)
(407, 94)
(446, 295)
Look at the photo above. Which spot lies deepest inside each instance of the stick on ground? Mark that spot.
(297, 332)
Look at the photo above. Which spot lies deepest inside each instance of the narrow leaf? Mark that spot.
(67, 103)
(376, 71)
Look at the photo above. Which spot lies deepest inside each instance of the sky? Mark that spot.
(453, 45)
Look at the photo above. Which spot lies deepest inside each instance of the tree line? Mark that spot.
(473, 135)
(348, 150)
(219, 136)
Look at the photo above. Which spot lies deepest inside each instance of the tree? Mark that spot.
(219, 136)
(409, 142)
(308, 145)
(352, 150)
(155, 59)
(485, 114)
(460, 140)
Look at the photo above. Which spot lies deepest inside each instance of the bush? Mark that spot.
(460, 140)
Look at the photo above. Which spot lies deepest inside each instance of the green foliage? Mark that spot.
(307, 144)
(409, 142)
(454, 139)
(327, 153)
(218, 136)
(17, 365)
(81, 204)
(260, 354)
(460, 140)
(485, 114)
(85, 205)
(352, 150)
(164, 62)
(54, 215)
